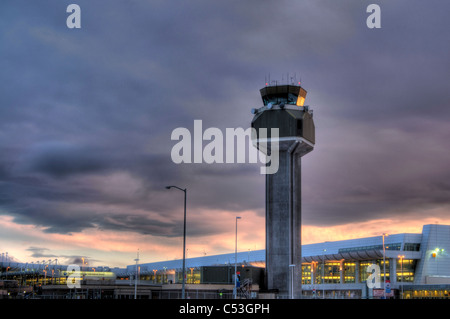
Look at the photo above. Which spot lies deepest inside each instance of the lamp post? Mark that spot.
(235, 262)
(184, 240)
(192, 274)
(323, 274)
(136, 275)
(384, 267)
(292, 280)
(401, 269)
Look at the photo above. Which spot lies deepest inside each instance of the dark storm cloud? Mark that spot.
(59, 160)
(86, 115)
(39, 252)
(42, 252)
(396, 172)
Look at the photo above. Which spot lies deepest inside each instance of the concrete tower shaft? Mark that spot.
(283, 188)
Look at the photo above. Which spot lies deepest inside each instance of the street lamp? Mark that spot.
(292, 280)
(384, 267)
(323, 274)
(136, 275)
(401, 267)
(184, 240)
(192, 274)
(235, 262)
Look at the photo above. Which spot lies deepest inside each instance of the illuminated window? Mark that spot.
(405, 270)
(306, 274)
(330, 274)
(380, 263)
(411, 247)
(300, 101)
(349, 272)
(363, 274)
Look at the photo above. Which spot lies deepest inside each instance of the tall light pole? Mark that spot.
(323, 274)
(292, 280)
(401, 269)
(235, 261)
(184, 240)
(136, 275)
(384, 267)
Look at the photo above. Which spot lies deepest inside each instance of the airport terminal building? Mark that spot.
(414, 265)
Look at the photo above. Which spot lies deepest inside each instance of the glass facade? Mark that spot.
(193, 276)
(328, 273)
(405, 270)
(332, 274)
(431, 293)
(318, 274)
(393, 246)
(306, 274)
(411, 247)
(288, 98)
(380, 263)
(283, 94)
(363, 274)
(349, 272)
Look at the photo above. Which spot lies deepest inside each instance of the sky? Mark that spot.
(86, 117)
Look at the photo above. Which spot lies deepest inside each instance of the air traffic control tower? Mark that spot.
(284, 109)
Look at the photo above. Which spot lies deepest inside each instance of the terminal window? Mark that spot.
(349, 272)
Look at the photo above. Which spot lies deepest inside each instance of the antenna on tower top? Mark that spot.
(293, 79)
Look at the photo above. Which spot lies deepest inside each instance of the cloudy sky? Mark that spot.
(86, 117)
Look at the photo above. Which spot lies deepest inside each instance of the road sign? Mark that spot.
(381, 293)
(387, 286)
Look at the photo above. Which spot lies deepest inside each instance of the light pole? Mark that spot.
(192, 274)
(184, 240)
(384, 267)
(136, 275)
(292, 280)
(401, 269)
(323, 274)
(235, 261)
